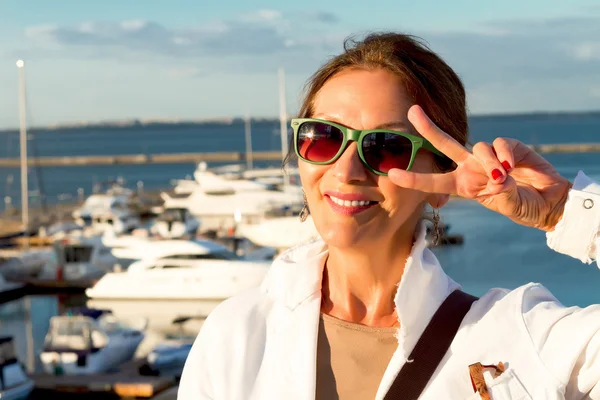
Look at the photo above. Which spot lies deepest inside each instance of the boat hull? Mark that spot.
(160, 314)
(19, 392)
(66, 362)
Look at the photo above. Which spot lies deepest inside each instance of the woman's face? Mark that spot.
(362, 99)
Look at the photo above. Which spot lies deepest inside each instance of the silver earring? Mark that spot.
(305, 211)
(436, 230)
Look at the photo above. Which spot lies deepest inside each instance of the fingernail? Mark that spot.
(506, 166)
(496, 174)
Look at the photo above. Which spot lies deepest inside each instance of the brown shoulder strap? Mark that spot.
(431, 347)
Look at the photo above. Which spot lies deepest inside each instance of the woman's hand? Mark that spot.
(507, 176)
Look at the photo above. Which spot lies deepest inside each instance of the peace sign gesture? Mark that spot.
(507, 176)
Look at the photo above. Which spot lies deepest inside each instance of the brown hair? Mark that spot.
(428, 80)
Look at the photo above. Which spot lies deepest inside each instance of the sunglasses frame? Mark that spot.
(358, 136)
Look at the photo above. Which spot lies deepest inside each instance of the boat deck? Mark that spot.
(124, 383)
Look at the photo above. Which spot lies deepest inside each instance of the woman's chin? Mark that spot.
(347, 237)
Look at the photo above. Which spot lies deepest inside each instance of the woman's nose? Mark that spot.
(349, 167)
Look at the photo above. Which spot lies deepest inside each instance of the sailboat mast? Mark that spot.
(248, 132)
(283, 121)
(23, 145)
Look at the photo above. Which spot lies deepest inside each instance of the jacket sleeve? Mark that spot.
(577, 234)
(567, 341)
(195, 383)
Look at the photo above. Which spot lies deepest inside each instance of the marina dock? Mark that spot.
(124, 383)
(176, 158)
(231, 157)
(43, 287)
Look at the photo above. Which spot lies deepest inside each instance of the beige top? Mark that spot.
(351, 359)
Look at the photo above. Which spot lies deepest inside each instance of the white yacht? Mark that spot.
(221, 210)
(280, 233)
(100, 203)
(79, 258)
(175, 223)
(224, 198)
(228, 177)
(132, 248)
(14, 382)
(20, 265)
(111, 207)
(117, 221)
(238, 176)
(86, 342)
(176, 278)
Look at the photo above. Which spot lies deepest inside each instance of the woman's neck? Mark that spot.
(360, 285)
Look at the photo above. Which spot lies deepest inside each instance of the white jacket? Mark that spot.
(262, 344)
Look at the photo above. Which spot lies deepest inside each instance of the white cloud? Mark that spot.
(87, 27)
(263, 15)
(133, 25)
(320, 16)
(152, 38)
(505, 53)
(182, 41)
(262, 32)
(587, 51)
(40, 31)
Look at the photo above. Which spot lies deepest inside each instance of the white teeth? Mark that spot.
(350, 203)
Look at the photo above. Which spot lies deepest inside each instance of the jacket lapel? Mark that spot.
(293, 325)
(293, 367)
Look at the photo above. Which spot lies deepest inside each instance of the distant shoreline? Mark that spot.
(137, 123)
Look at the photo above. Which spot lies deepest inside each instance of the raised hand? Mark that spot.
(507, 176)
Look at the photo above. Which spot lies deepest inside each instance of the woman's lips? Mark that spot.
(349, 207)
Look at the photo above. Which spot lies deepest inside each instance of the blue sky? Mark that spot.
(119, 59)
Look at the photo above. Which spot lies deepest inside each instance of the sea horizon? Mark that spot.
(231, 120)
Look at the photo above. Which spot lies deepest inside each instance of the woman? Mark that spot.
(382, 135)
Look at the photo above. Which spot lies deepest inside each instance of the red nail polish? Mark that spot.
(506, 166)
(496, 174)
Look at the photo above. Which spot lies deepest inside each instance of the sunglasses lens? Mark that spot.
(384, 151)
(319, 142)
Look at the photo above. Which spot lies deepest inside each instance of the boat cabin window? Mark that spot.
(119, 205)
(222, 255)
(104, 251)
(173, 215)
(69, 333)
(77, 253)
(7, 351)
(74, 333)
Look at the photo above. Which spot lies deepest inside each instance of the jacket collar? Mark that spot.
(297, 274)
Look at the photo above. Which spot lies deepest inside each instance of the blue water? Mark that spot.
(499, 253)
(215, 137)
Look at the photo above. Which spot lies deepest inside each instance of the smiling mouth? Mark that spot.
(352, 203)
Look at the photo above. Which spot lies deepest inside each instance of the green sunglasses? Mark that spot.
(322, 142)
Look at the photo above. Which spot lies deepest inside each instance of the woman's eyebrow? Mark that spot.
(395, 125)
(392, 125)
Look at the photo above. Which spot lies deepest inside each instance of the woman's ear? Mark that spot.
(438, 200)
